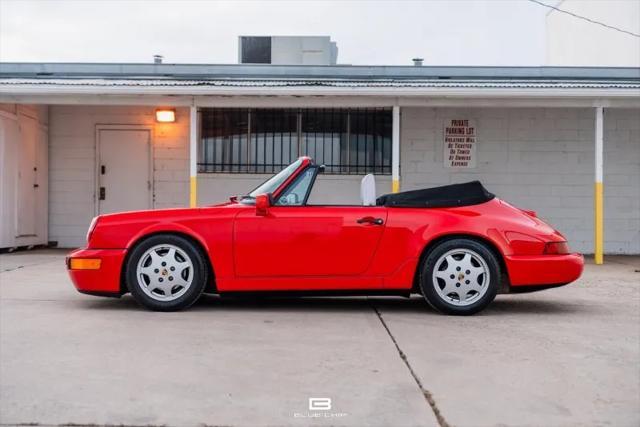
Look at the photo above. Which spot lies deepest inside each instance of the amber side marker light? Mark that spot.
(165, 116)
(556, 248)
(85, 263)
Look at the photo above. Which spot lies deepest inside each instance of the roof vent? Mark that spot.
(417, 62)
(157, 59)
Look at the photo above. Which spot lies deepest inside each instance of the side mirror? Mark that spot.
(263, 202)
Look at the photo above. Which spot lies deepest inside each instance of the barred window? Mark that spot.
(346, 141)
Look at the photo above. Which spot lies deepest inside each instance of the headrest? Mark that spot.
(368, 190)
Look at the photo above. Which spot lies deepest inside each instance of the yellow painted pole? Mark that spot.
(599, 226)
(395, 185)
(193, 157)
(395, 150)
(598, 198)
(193, 191)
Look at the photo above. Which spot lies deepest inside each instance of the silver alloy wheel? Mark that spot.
(461, 277)
(164, 272)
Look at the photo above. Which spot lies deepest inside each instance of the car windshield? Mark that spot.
(272, 184)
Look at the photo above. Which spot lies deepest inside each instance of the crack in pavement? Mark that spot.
(27, 266)
(426, 393)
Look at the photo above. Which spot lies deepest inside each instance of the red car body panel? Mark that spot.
(546, 269)
(106, 280)
(314, 248)
(306, 241)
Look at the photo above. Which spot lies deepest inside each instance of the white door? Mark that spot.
(123, 170)
(27, 185)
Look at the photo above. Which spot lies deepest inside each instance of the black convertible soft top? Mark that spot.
(469, 193)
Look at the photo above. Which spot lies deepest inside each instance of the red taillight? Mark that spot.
(556, 248)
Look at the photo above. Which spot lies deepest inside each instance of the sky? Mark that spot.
(454, 32)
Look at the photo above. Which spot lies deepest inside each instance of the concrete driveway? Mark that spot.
(568, 356)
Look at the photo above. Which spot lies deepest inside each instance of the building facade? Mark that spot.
(577, 42)
(539, 138)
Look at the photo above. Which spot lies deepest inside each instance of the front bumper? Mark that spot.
(544, 270)
(104, 280)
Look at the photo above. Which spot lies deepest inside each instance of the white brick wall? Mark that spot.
(622, 181)
(72, 163)
(536, 158)
(540, 159)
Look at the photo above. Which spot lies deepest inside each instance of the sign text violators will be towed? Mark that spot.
(460, 143)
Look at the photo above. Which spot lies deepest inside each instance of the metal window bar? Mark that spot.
(253, 141)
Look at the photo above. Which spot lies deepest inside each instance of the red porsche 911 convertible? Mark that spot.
(457, 245)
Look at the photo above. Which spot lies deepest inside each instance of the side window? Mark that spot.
(296, 193)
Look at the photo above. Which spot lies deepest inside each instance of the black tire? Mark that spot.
(447, 304)
(193, 291)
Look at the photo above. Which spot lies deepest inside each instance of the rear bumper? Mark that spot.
(104, 281)
(544, 270)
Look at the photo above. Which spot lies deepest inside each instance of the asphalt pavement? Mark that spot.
(561, 357)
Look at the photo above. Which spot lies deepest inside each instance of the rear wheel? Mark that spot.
(460, 276)
(166, 273)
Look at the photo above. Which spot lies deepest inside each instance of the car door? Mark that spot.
(307, 241)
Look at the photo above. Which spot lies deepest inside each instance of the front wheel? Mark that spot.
(460, 276)
(166, 273)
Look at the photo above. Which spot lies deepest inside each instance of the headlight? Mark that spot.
(92, 227)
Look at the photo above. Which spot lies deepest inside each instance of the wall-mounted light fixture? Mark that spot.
(165, 115)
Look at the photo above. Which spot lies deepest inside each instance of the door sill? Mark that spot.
(317, 293)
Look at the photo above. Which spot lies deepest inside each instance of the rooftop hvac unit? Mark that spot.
(287, 50)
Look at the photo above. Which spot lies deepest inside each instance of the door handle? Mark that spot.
(103, 193)
(370, 220)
